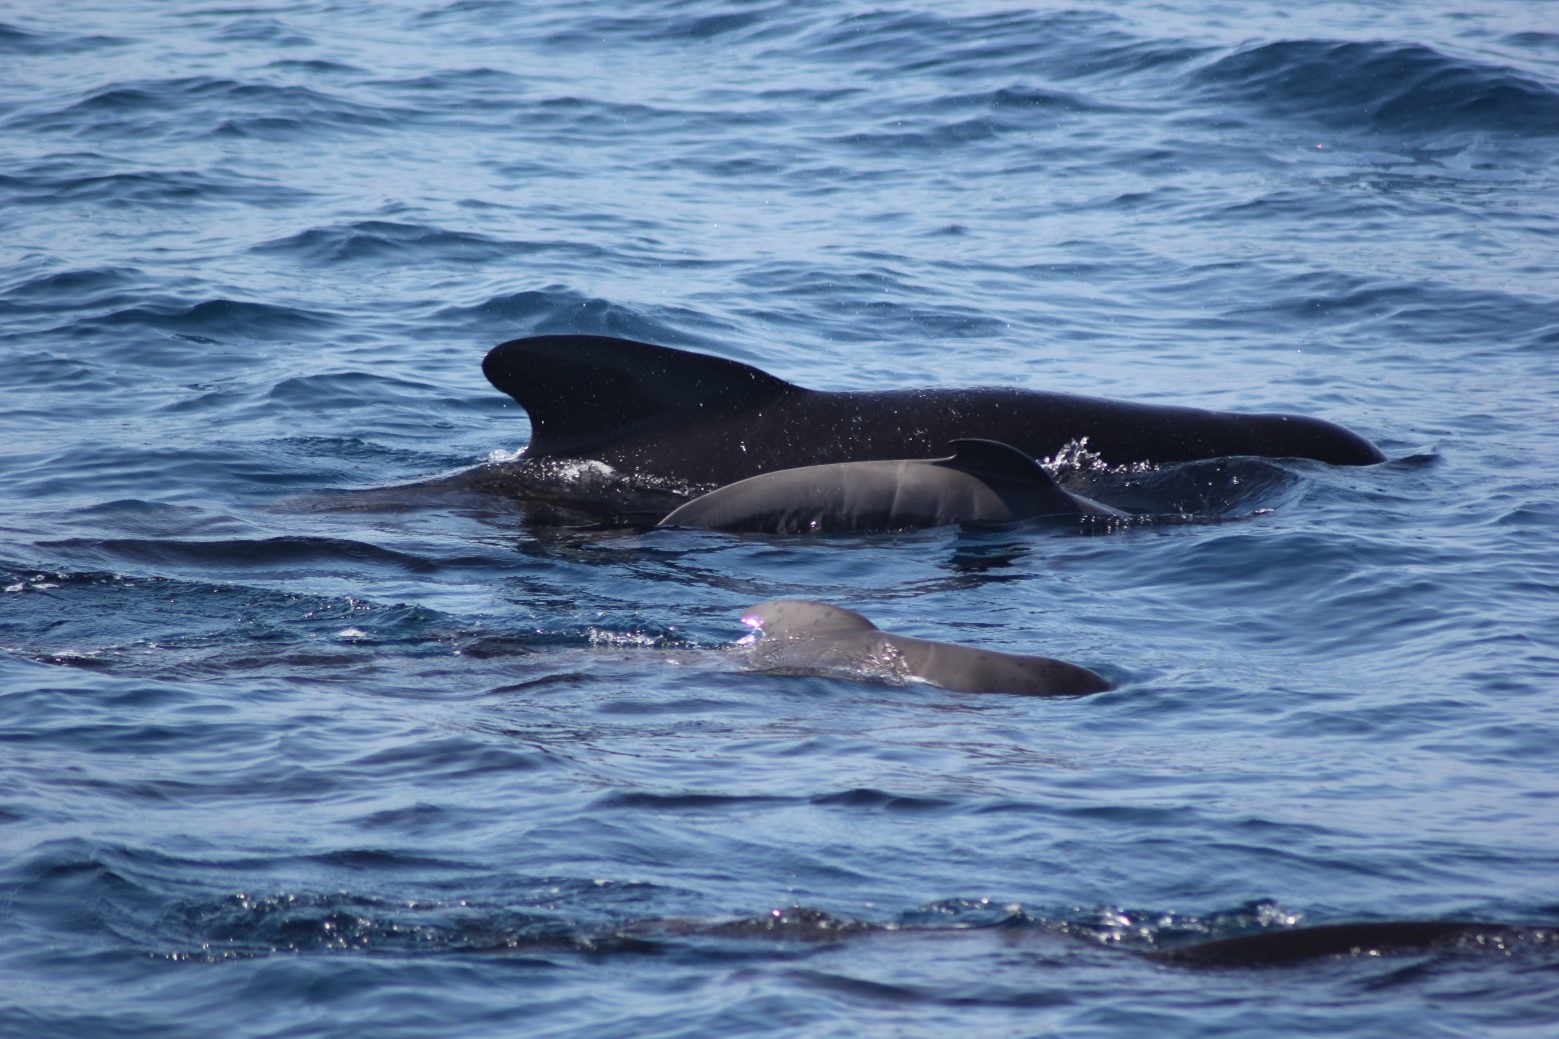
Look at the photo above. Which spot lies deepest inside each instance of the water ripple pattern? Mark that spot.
(296, 741)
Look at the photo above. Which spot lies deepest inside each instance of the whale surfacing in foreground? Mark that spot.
(656, 411)
(983, 482)
(799, 634)
(1287, 946)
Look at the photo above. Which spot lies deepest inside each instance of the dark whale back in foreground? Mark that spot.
(1276, 948)
(805, 635)
(983, 482)
(658, 411)
(1287, 946)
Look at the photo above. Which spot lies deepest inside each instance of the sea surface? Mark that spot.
(291, 747)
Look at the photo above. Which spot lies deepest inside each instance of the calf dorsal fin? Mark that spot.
(995, 460)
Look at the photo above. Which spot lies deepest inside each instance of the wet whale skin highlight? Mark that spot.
(658, 411)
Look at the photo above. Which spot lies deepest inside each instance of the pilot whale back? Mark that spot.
(707, 421)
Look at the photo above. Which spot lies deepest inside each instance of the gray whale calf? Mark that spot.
(983, 482)
(671, 414)
(799, 634)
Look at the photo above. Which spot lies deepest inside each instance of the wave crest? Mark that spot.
(1383, 88)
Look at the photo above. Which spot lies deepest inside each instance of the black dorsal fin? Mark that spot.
(996, 460)
(585, 391)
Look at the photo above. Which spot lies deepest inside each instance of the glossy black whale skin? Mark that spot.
(659, 411)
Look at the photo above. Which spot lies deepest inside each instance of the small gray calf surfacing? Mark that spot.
(799, 634)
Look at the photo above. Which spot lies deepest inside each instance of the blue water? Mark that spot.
(280, 759)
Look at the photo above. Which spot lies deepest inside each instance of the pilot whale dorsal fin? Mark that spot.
(583, 391)
(996, 460)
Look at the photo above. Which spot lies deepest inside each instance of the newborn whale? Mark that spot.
(706, 421)
(812, 636)
(983, 482)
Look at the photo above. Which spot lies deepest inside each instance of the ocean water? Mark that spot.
(282, 758)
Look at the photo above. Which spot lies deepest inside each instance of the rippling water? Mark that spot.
(281, 758)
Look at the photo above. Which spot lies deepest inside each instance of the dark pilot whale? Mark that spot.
(1275, 948)
(983, 482)
(798, 634)
(656, 411)
(1286, 946)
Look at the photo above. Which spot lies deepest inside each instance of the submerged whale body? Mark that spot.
(799, 634)
(1286, 946)
(983, 482)
(657, 411)
(1277, 948)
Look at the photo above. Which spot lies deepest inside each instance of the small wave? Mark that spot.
(1075, 45)
(48, 371)
(16, 40)
(1019, 104)
(882, 800)
(462, 86)
(313, 67)
(1461, 313)
(1534, 40)
(219, 320)
(939, 137)
(211, 106)
(74, 290)
(92, 178)
(383, 240)
(1392, 88)
(560, 309)
(345, 390)
(656, 25)
(573, 118)
(255, 29)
